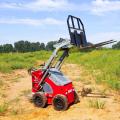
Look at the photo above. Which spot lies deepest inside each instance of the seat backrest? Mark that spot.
(78, 39)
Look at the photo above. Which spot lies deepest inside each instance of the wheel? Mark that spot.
(76, 98)
(40, 99)
(60, 102)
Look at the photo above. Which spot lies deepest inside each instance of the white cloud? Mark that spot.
(41, 5)
(47, 5)
(100, 7)
(34, 22)
(104, 36)
(97, 7)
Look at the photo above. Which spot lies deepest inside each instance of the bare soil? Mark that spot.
(17, 88)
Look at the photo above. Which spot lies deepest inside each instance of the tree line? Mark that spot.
(26, 46)
(116, 46)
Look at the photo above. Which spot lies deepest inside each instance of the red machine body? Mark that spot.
(54, 89)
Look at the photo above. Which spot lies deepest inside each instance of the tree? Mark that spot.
(116, 46)
(42, 46)
(50, 44)
(8, 48)
(35, 47)
(1, 49)
(27, 46)
(19, 46)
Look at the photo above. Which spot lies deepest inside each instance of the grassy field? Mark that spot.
(12, 61)
(103, 64)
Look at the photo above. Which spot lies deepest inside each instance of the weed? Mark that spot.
(3, 108)
(98, 104)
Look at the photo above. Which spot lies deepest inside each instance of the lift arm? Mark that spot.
(63, 45)
(61, 59)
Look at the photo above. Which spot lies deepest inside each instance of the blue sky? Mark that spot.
(45, 20)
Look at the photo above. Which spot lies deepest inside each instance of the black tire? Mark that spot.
(60, 102)
(76, 98)
(40, 99)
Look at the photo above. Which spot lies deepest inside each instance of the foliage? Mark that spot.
(25, 46)
(116, 46)
(50, 45)
(6, 48)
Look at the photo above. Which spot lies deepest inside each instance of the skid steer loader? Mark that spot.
(49, 84)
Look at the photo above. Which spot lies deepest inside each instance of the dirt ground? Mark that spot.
(17, 88)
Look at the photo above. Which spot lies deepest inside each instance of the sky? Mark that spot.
(45, 20)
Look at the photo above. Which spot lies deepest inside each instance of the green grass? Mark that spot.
(96, 103)
(3, 108)
(104, 64)
(12, 61)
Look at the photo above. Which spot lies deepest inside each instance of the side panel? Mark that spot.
(69, 92)
(36, 77)
(66, 90)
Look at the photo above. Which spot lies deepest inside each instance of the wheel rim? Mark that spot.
(59, 103)
(38, 101)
